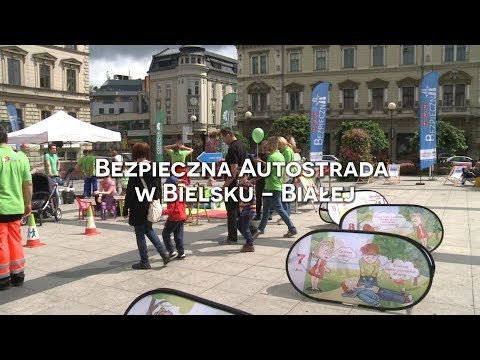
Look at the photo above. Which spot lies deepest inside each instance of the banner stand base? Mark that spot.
(420, 183)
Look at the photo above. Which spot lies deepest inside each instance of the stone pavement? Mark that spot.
(78, 274)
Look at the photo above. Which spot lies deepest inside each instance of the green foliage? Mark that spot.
(377, 137)
(296, 125)
(390, 247)
(243, 139)
(449, 138)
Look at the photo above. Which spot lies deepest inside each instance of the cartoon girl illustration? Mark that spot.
(323, 251)
(369, 265)
(420, 231)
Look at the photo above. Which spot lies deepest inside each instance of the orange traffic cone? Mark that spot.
(91, 228)
(33, 238)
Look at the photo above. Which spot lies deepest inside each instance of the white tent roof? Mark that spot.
(62, 127)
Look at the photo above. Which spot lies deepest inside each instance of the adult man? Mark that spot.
(87, 165)
(52, 166)
(15, 202)
(24, 151)
(236, 155)
(273, 186)
(116, 156)
(178, 154)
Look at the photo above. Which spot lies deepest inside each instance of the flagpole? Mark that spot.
(419, 132)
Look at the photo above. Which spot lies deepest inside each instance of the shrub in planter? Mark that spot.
(408, 169)
(443, 170)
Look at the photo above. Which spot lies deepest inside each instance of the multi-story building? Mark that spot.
(40, 80)
(277, 80)
(120, 104)
(190, 81)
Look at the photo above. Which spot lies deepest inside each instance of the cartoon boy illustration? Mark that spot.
(323, 251)
(420, 231)
(369, 265)
(375, 294)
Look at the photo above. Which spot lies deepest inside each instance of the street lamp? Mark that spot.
(248, 115)
(391, 106)
(193, 119)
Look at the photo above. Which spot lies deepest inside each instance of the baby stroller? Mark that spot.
(44, 199)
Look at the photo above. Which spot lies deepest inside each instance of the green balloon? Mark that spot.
(257, 135)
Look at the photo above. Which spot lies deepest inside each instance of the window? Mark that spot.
(101, 111)
(111, 110)
(348, 99)
(408, 97)
(44, 76)
(408, 54)
(224, 89)
(213, 116)
(259, 64)
(348, 57)
(14, 71)
(259, 101)
(168, 117)
(447, 95)
(455, 53)
(71, 80)
(193, 111)
(405, 149)
(460, 95)
(168, 91)
(193, 87)
(294, 62)
(159, 91)
(213, 91)
(45, 114)
(377, 98)
(121, 110)
(294, 100)
(72, 113)
(321, 59)
(377, 55)
(71, 47)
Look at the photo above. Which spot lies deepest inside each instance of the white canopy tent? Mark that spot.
(62, 127)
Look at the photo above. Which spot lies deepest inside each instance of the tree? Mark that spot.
(377, 137)
(296, 125)
(243, 139)
(449, 138)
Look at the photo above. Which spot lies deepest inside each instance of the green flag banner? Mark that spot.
(228, 104)
(370, 269)
(160, 117)
(413, 221)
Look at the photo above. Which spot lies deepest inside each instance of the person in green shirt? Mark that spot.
(178, 153)
(24, 151)
(272, 194)
(15, 202)
(52, 166)
(288, 154)
(87, 165)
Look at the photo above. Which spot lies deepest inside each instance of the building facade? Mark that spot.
(277, 80)
(121, 104)
(185, 82)
(40, 80)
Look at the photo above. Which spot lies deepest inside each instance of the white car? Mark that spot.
(330, 158)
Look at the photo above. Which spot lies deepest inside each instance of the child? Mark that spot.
(176, 218)
(246, 211)
(123, 181)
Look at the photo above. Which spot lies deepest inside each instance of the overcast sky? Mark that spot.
(133, 59)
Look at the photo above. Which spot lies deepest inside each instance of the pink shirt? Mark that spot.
(105, 185)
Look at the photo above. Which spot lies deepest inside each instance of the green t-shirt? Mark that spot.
(87, 164)
(288, 154)
(24, 157)
(274, 182)
(13, 172)
(179, 156)
(53, 160)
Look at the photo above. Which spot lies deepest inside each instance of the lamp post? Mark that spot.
(391, 106)
(248, 115)
(193, 119)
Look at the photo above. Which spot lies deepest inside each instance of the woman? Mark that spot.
(137, 211)
(108, 188)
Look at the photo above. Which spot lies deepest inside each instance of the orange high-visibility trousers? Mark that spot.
(12, 259)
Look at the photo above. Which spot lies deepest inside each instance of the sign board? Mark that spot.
(362, 197)
(413, 221)
(186, 130)
(175, 302)
(374, 270)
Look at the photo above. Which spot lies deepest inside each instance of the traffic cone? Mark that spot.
(91, 229)
(33, 238)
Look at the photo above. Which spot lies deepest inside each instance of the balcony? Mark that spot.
(256, 115)
(454, 110)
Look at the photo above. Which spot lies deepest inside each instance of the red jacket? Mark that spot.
(176, 211)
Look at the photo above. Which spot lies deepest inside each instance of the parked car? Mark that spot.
(456, 159)
(330, 158)
(444, 156)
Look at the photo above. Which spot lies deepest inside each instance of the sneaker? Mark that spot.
(140, 266)
(166, 260)
(227, 241)
(248, 248)
(5, 285)
(257, 233)
(270, 217)
(290, 234)
(173, 254)
(180, 257)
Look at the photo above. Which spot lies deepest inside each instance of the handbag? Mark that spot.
(155, 208)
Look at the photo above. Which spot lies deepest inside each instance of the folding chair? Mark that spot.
(455, 175)
(393, 174)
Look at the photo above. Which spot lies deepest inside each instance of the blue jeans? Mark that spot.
(288, 205)
(89, 185)
(140, 232)
(175, 227)
(244, 223)
(274, 202)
